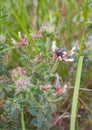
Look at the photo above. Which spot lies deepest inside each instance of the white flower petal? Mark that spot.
(74, 48)
(54, 48)
(64, 88)
(69, 60)
(13, 41)
(19, 34)
(60, 58)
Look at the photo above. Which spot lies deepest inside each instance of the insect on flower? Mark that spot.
(62, 53)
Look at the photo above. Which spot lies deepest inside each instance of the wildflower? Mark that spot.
(58, 86)
(62, 54)
(22, 40)
(2, 38)
(54, 94)
(47, 28)
(18, 72)
(64, 89)
(37, 59)
(45, 87)
(22, 83)
(37, 34)
(54, 48)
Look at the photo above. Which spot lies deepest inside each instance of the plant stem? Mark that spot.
(86, 106)
(55, 67)
(22, 119)
(75, 94)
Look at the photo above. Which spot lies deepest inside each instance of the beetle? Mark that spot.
(60, 51)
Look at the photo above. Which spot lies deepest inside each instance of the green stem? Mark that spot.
(75, 94)
(22, 119)
(55, 67)
(86, 106)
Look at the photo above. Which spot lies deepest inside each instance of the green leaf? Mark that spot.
(32, 111)
(40, 118)
(35, 122)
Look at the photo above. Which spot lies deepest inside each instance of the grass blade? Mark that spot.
(75, 94)
(7, 49)
(25, 31)
(11, 32)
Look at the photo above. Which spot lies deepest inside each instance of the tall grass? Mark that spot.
(75, 94)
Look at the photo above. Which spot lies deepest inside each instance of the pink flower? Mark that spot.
(58, 87)
(45, 87)
(64, 88)
(22, 84)
(37, 34)
(47, 28)
(54, 94)
(37, 59)
(2, 38)
(23, 41)
(17, 72)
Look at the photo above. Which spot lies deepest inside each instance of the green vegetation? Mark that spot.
(45, 65)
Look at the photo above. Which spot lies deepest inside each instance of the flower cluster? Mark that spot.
(62, 53)
(23, 40)
(22, 84)
(58, 88)
(17, 72)
(19, 78)
(36, 34)
(44, 28)
(47, 28)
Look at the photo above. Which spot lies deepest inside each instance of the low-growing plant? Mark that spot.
(39, 62)
(35, 86)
